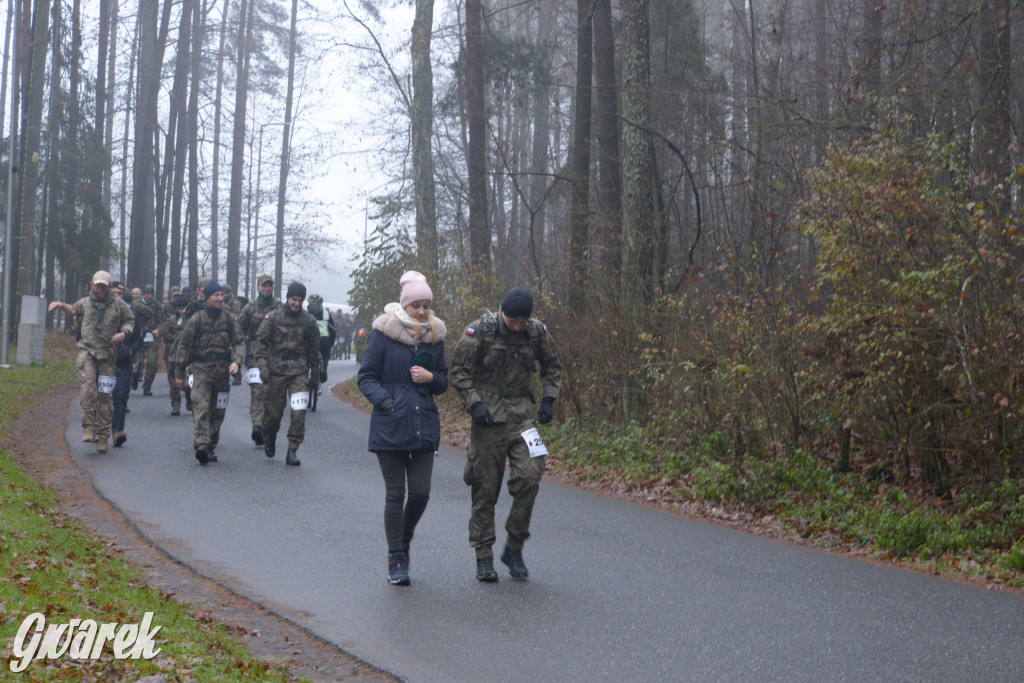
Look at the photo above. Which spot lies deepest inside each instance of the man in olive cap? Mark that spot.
(497, 395)
(249, 320)
(147, 318)
(103, 321)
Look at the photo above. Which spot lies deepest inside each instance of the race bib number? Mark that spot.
(252, 376)
(300, 400)
(191, 379)
(222, 401)
(106, 384)
(148, 337)
(534, 443)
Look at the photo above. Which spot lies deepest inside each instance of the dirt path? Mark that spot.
(37, 440)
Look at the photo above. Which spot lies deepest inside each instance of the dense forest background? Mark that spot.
(772, 238)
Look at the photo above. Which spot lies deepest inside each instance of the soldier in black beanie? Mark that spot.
(491, 369)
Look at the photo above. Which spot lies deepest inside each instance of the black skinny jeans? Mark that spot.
(401, 515)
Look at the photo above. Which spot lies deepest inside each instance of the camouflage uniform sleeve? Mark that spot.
(313, 345)
(460, 371)
(186, 340)
(237, 342)
(261, 341)
(127, 319)
(244, 319)
(78, 315)
(550, 365)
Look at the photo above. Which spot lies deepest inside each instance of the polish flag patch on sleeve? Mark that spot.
(470, 331)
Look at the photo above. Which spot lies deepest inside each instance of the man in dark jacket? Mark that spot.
(328, 333)
(287, 350)
(147, 320)
(249, 320)
(122, 385)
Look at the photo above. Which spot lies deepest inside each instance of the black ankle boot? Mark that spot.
(514, 560)
(291, 458)
(485, 570)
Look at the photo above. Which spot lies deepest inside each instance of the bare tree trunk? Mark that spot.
(607, 130)
(32, 116)
(130, 96)
(541, 134)
(580, 212)
(422, 133)
(193, 256)
(638, 224)
(51, 196)
(479, 232)
(995, 122)
(199, 22)
(108, 129)
(141, 246)
(179, 140)
(238, 142)
(285, 142)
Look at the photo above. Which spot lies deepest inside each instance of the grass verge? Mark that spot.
(50, 563)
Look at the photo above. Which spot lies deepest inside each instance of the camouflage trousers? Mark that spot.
(490, 448)
(97, 406)
(276, 396)
(149, 362)
(211, 385)
(257, 407)
(175, 391)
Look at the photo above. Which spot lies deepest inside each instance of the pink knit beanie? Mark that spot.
(414, 288)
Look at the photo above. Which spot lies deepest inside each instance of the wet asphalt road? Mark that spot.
(617, 591)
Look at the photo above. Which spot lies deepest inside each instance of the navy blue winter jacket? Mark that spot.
(403, 419)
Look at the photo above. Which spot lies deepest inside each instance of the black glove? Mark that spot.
(481, 415)
(547, 410)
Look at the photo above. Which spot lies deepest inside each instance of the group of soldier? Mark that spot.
(207, 338)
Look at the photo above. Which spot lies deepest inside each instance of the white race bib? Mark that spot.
(534, 443)
(148, 337)
(106, 384)
(300, 400)
(222, 401)
(252, 376)
(190, 380)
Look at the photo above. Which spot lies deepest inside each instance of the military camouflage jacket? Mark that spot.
(231, 303)
(286, 344)
(146, 315)
(495, 365)
(171, 327)
(253, 314)
(116, 317)
(215, 342)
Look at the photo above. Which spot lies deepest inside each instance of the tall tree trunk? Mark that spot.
(130, 95)
(479, 231)
(193, 257)
(108, 129)
(422, 133)
(238, 142)
(32, 115)
(607, 129)
(994, 124)
(638, 224)
(141, 246)
(580, 212)
(51, 196)
(539, 153)
(286, 135)
(178, 140)
(199, 22)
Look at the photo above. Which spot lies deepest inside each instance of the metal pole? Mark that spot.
(8, 297)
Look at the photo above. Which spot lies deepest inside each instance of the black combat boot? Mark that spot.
(398, 569)
(485, 570)
(257, 435)
(291, 458)
(270, 448)
(202, 455)
(514, 560)
(210, 457)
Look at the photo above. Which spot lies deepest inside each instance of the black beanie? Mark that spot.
(296, 289)
(518, 303)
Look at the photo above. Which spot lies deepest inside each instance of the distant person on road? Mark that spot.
(328, 332)
(122, 385)
(492, 366)
(170, 328)
(147, 319)
(102, 321)
(211, 348)
(402, 370)
(287, 351)
(345, 330)
(249, 320)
